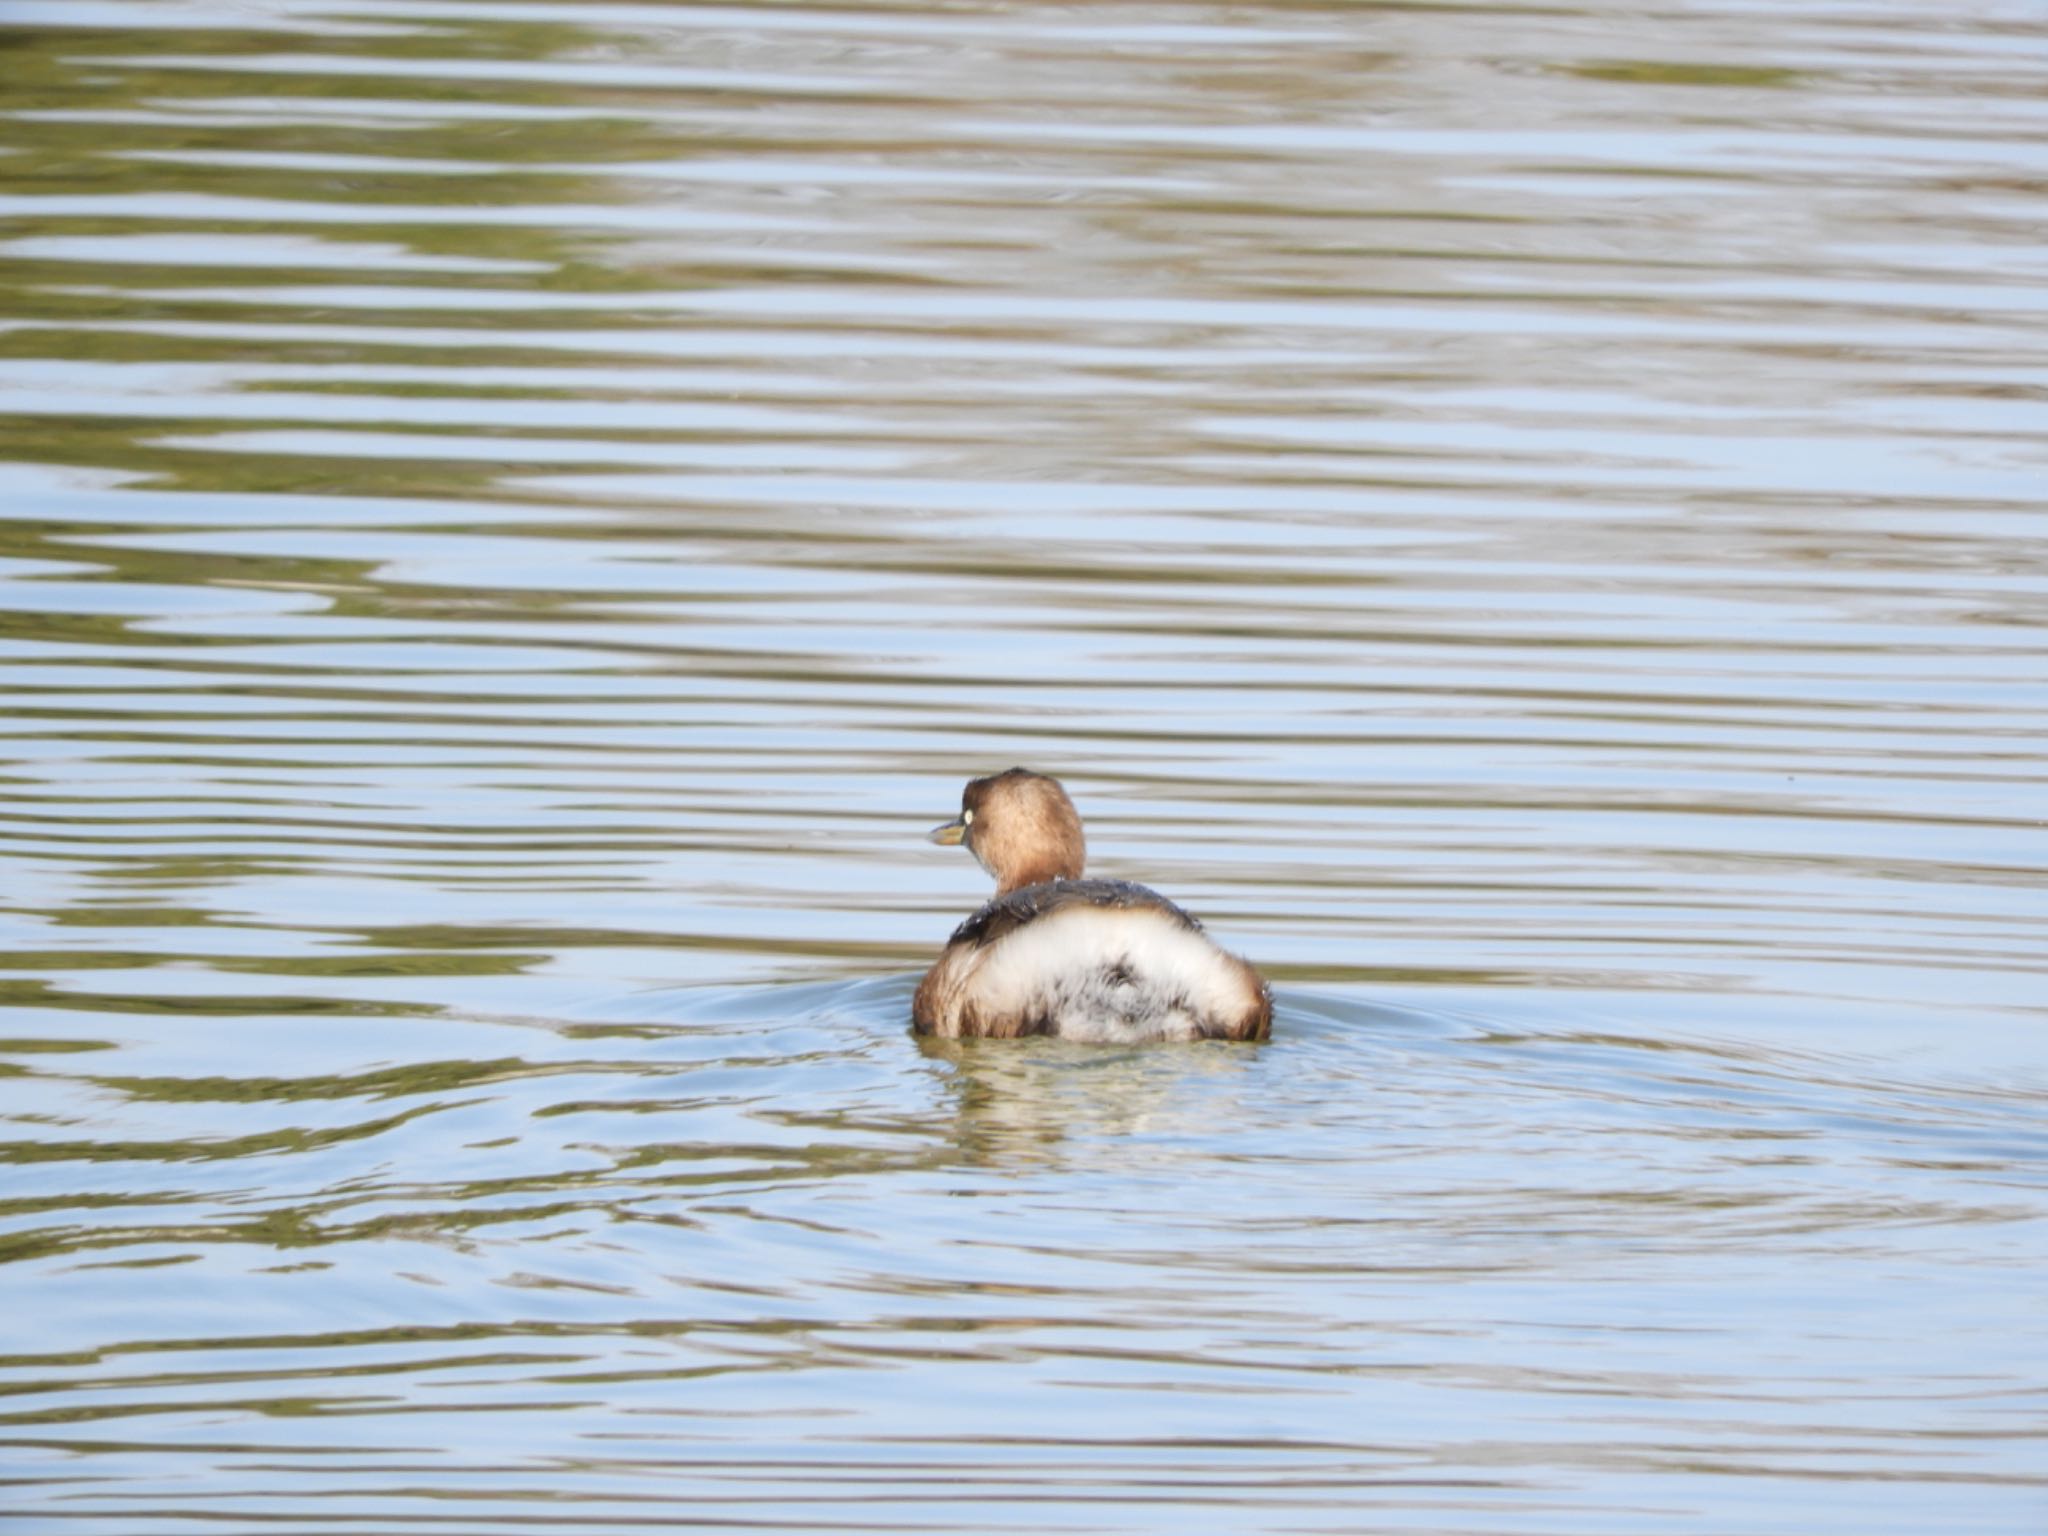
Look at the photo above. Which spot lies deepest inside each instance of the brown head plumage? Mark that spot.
(1021, 827)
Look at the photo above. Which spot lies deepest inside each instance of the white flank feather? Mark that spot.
(1109, 975)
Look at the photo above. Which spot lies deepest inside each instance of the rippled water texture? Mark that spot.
(1531, 518)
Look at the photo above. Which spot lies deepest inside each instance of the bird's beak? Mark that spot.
(950, 835)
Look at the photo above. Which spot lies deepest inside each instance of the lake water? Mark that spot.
(1531, 518)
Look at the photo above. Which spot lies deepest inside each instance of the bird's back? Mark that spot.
(1095, 960)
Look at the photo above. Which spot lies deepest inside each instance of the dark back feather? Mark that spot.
(1029, 903)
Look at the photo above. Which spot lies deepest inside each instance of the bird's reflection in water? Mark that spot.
(1027, 1101)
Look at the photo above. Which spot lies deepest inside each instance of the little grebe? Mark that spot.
(1054, 954)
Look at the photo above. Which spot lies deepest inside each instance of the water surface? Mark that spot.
(1530, 519)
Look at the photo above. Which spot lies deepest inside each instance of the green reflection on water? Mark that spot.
(1674, 72)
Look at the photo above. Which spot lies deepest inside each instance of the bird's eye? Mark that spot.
(967, 818)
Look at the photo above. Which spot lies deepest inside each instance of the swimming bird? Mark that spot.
(1055, 954)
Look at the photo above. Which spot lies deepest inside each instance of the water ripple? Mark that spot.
(514, 518)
